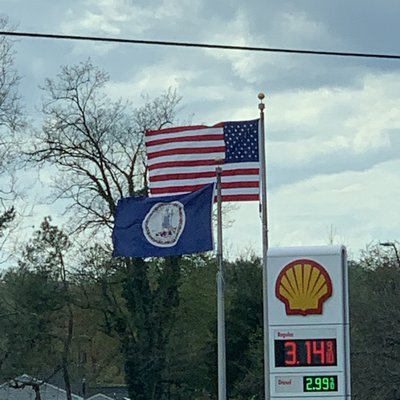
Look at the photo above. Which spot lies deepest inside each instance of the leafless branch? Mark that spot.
(96, 143)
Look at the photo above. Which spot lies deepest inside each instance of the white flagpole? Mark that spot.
(264, 219)
(220, 297)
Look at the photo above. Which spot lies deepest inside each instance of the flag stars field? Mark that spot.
(242, 141)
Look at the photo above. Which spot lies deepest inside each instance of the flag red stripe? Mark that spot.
(208, 174)
(240, 197)
(188, 175)
(181, 129)
(237, 197)
(194, 150)
(175, 129)
(198, 138)
(185, 163)
(175, 189)
(233, 185)
(192, 188)
(240, 171)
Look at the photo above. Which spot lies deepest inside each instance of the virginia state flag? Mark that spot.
(164, 226)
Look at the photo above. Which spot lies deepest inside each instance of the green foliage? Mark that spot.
(29, 299)
(151, 308)
(137, 300)
(191, 357)
(375, 318)
(192, 367)
(152, 323)
(243, 322)
(37, 295)
(159, 317)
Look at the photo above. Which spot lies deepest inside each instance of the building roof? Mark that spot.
(116, 392)
(47, 392)
(100, 396)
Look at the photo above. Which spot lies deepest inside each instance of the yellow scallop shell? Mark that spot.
(303, 285)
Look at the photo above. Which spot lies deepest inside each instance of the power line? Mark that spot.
(200, 45)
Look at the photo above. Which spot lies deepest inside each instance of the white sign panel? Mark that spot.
(308, 323)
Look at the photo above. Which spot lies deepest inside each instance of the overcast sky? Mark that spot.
(332, 123)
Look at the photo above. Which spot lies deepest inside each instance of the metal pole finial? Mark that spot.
(261, 97)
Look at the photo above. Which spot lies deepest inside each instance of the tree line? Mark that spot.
(152, 325)
(70, 310)
(111, 325)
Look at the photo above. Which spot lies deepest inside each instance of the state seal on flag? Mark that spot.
(164, 224)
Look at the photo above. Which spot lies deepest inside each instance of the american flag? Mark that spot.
(183, 159)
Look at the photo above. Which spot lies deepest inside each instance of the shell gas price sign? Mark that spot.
(308, 318)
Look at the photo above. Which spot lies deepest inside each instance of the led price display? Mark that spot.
(305, 353)
(322, 383)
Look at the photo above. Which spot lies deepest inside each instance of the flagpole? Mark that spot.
(264, 219)
(220, 297)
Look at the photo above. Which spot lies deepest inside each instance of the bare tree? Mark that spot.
(10, 108)
(11, 120)
(95, 142)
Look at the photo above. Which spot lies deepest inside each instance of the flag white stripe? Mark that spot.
(187, 157)
(205, 168)
(203, 181)
(225, 192)
(242, 190)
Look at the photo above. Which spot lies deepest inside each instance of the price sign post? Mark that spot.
(308, 323)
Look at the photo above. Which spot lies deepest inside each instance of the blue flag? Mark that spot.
(164, 226)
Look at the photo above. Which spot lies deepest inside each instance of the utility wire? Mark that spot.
(200, 45)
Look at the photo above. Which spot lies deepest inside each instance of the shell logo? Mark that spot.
(303, 286)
